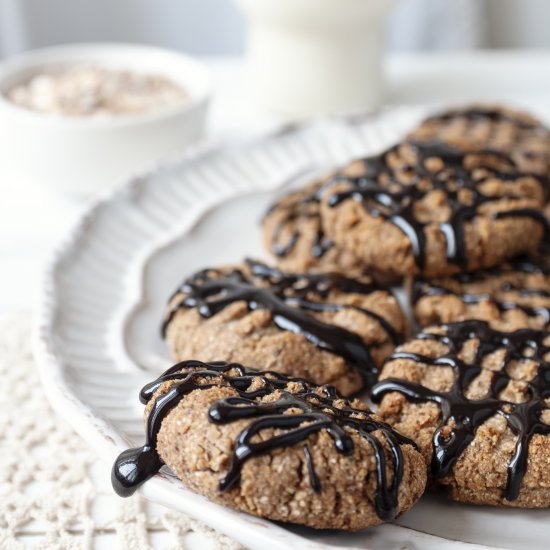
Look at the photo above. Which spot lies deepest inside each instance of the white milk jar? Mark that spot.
(310, 57)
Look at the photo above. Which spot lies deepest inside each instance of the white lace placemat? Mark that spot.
(54, 493)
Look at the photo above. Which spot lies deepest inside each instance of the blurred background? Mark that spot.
(442, 52)
(214, 27)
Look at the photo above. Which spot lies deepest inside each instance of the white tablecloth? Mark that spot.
(54, 493)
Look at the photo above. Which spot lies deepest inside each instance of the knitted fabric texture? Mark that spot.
(54, 493)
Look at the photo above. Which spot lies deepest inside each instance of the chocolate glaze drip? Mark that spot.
(323, 411)
(395, 201)
(288, 298)
(424, 288)
(524, 419)
(313, 477)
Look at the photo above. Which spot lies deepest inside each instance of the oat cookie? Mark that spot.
(295, 239)
(510, 296)
(328, 328)
(294, 236)
(430, 208)
(495, 127)
(275, 447)
(475, 400)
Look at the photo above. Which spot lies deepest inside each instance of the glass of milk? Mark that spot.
(309, 57)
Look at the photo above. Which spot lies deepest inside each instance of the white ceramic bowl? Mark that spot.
(85, 154)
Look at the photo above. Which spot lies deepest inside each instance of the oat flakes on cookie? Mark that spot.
(476, 401)
(275, 447)
(513, 295)
(514, 132)
(325, 327)
(431, 209)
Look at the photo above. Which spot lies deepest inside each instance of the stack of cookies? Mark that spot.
(456, 213)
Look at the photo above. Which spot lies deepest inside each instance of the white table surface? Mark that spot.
(33, 218)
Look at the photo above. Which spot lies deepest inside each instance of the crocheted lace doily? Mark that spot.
(54, 493)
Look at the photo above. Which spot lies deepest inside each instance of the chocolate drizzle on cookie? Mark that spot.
(395, 201)
(508, 296)
(313, 477)
(320, 409)
(304, 206)
(490, 114)
(290, 298)
(463, 415)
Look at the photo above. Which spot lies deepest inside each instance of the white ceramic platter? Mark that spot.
(97, 330)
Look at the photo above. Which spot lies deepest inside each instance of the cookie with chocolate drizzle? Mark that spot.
(477, 402)
(494, 127)
(295, 239)
(510, 296)
(429, 208)
(273, 446)
(325, 327)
